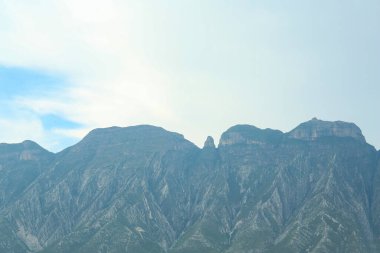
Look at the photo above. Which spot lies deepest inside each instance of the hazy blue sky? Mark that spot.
(195, 67)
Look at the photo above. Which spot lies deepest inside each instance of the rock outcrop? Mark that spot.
(209, 143)
(314, 129)
(246, 134)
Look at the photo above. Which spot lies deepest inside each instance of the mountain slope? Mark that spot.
(144, 189)
(20, 165)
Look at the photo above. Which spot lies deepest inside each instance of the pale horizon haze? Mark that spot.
(193, 67)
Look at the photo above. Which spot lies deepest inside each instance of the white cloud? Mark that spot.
(108, 50)
(23, 125)
(89, 43)
(196, 67)
(14, 130)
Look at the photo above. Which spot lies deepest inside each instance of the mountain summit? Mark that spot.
(144, 189)
(247, 134)
(315, 128)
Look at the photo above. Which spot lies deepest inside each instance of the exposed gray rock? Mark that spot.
(246, 134)
(314, 129)
(143, 189)
(209, 143)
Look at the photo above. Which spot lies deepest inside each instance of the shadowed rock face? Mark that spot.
(144, 189)
(209, 143)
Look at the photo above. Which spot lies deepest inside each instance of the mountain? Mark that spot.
(144, 189)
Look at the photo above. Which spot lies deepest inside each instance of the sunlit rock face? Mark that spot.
(246, 134)
(315, 129)
(143, 189)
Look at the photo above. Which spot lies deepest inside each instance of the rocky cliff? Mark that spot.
(315, 129)
(144, 189)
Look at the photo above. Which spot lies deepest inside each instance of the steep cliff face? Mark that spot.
(315, 129)
(246, 134)
(276, 194)
(375, 200)
(144, 189)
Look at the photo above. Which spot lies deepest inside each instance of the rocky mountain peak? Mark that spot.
(247, 134)
(27, 150)
(25, 145)
(144, 137)
(209, 143)
(30, 145)
(315, 128)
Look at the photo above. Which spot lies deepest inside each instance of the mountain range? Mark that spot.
(143, 189)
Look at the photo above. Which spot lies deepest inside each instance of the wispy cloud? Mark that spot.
(88, 43)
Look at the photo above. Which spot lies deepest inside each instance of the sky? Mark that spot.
(193, 67)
